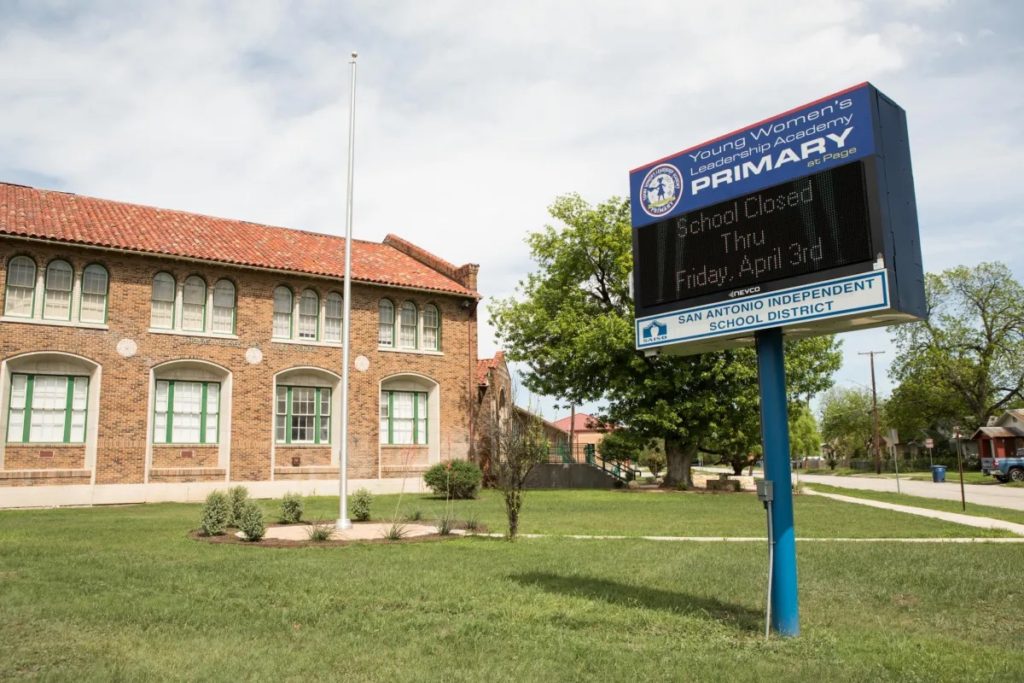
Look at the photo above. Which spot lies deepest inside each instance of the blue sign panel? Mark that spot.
(834, 130)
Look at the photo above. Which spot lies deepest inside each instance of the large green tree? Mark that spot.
(846, 421)
(967, 359)
(804, 437)
(571, 324)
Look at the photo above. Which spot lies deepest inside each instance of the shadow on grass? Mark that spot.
(742, 618)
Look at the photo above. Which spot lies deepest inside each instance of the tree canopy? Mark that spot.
(846, 421)
(572, 326)
(966, 361)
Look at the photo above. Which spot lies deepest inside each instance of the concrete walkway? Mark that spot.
(750, 539)
(994, 495)
(955, 517)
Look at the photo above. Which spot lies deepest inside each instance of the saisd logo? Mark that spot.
(661, 190)
(654, 331)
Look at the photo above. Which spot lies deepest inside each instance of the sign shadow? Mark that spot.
(740, 617)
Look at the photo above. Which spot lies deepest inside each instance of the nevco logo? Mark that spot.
(744, 292)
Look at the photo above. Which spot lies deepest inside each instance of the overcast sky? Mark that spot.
(473, 116)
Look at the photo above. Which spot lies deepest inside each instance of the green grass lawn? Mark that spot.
(1016, 516)
(122, 593)
(628, 513)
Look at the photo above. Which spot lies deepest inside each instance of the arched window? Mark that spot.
(283, 313)
(224, 307)
(332, 317)
(162, 308)
(193, 304)
(95, 283)
(385, 323)
(431, 328)
(309, 315)
(21, 287)
(407, 332)
(57, 295)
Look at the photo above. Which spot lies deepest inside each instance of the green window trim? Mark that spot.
(318, 416)
(35, 286)
(437, 328)
(291, 312)
(415, 417)
(316, 331)
(46, 289)
(336, 296)
(416, 325)
(206, 294)
(173, 302)
(106, 294)
(26, 430)
(394, 322)
(204, 414)
(234, 306)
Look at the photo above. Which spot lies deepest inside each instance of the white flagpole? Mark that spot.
(343, 521)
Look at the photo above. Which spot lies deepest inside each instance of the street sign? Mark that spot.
(929, 443)
(803, 206)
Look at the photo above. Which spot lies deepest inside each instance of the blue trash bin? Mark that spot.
(938, 473)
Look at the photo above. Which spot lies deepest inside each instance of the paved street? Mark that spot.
(998, 496)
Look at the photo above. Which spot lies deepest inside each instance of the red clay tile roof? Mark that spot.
(65, 217)
(485, 365)
(584, 423)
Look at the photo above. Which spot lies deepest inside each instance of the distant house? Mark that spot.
(1002, 436)
(583, 430)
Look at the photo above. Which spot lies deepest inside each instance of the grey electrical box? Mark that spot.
(765, 492)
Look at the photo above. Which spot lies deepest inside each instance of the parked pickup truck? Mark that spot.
(1005, 469)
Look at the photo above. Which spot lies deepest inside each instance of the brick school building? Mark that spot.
(150, 354)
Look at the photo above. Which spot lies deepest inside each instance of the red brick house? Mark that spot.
(151, 354)
(1002, 436)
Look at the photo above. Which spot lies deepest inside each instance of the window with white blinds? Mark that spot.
(47, 409)
(186, 412)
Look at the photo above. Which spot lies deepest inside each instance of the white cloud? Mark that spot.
(472, 117)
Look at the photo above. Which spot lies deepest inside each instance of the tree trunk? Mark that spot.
(737, 466)
(513, 502)
(679, 458)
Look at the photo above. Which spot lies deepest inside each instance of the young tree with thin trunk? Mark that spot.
(516, 442)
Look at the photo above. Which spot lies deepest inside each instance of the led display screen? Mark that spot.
(812, 224)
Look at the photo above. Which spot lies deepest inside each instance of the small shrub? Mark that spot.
(457, 479)
(250, 521)
(216, 514)
(291, 508)
(444, 524)
(238, 496)
(414, 516)
(395, 532)
(359, 505)
(472, 524)
(320, 530)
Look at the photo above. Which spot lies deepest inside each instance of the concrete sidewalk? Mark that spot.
(993, 494)
(955, 517)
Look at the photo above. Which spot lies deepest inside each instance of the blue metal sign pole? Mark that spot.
(771, 372)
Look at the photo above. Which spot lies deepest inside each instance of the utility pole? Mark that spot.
(874, 411)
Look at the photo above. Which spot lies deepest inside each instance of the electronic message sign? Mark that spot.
(805, 221)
